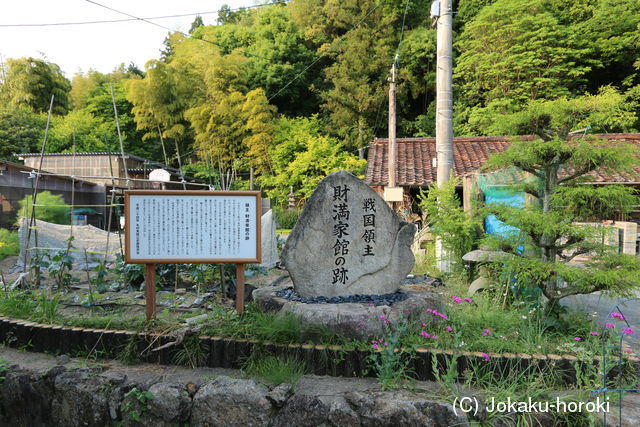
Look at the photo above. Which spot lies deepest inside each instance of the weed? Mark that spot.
(137, 405)
(193, 352)
(4, 368)
(128, 355)
(47, 308)
(388, 358)
(273, 370)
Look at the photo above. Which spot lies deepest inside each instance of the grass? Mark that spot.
(9, 243)
(192, 352)
(272, 370)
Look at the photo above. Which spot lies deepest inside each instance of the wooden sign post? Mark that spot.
(240, 288)
(175, 227)
(150, 290)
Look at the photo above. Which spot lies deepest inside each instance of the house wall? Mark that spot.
(15, 185)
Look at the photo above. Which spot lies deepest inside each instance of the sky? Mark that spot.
(101, 47)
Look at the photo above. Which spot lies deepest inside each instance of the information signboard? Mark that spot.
(192, 226)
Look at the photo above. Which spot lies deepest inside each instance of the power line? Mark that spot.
(113, 21)
(325, 53)
(135, 18)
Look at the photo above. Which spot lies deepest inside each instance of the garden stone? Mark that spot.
(403, 408)
(78, 399)
(348, 241)
(269, 241)
(171, 405)
(279, 395)
(302, 411)
(231, 402)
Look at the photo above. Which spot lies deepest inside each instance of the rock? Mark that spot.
(279, 395)
(231, 402)
(25, 400)
(302, 411)
(196, 319)
(63, 359)
(171, 405)
(79, 399)
(348, 241)
(481, 255)
(403, 408)
(269, 241)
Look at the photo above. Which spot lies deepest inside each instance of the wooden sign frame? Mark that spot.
(194, 193)
(150, 268)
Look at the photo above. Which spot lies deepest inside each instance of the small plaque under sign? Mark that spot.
(393, 194)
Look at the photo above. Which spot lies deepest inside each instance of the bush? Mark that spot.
(9, 243)
(49, 207)
(287, 218)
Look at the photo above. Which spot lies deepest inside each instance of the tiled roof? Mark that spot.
(415, 159)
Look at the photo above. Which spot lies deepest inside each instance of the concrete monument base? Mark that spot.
(353, 320)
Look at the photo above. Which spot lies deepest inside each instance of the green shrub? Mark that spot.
(287, 218)
(49, 207)
(9, 243)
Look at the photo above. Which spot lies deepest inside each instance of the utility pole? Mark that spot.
(392, 193)
(444, 94)
(393, 149)
(444, 110)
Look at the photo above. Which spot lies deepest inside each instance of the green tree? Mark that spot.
(49, 207)
(32, 82)
(548, 238)
(21, 131)
(515, 51)
(456, 229)
(302, 156)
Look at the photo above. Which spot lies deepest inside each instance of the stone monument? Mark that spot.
(269, 242)
(347, 242)
(347, 258)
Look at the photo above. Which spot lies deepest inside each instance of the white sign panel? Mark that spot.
(192, 226)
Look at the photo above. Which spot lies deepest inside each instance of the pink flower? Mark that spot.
(594, 333)
(386, 344)
(424, 325)
(434, 337)
(381, 316)
(486, 332)
(609, 325)
(486, 357)
(457, 300)
(449, 328)
(360, 323)
(425, 334)
(386, 322)
(577, 339)
(375, 346)
(628, 331)
(436, 313)
(467, 299)
(616, 315)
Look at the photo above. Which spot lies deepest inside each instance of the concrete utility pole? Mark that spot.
(393, 148)
(444, 94)
(392, 193)
(444, 110)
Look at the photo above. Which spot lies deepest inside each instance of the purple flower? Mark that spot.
(594, 333)
(434, 337)
(609, 325)
(616, 315)
(577, 339)
(386, 322)
(486, 357)
(628, 331)
(360, 323)
(467, 299)
(486, 332)
(381, 316)
(375, 346)
(425, 334)
(456, 299)
(449, 328)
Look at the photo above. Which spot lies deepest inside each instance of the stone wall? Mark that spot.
(92, 397)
